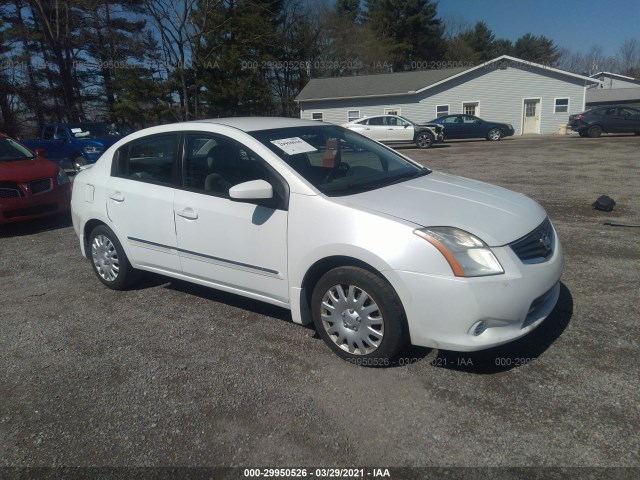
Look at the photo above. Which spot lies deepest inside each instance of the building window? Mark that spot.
(471, 108)
(316, 116)
(562, 105)
(353, 115)
(392, 111)
(442, 110)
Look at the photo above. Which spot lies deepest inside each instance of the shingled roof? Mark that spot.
(405, 83)
(402, 83)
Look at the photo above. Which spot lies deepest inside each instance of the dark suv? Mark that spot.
(597, 121)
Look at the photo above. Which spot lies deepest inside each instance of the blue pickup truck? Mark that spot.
(73, 145)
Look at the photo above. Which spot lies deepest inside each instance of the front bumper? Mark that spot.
(444, 312)
(36, 206)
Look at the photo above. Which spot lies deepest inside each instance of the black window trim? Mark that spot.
(124, 150)
(283, 205)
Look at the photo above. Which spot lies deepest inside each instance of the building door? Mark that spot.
(531, 121)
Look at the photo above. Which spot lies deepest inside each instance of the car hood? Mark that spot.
(497, 215)
(27, 170)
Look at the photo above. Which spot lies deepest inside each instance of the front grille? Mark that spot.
(23, 212)
(537, 246)
(40, 186)
(9, 192)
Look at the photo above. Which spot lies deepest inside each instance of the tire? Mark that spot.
(424, 140)
(582, 134)
(594, 131)
(341, 299)
(108, 259)
(494, 135)
(78, 162)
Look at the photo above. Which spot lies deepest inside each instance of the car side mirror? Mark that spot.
(251, 191)
(41, 152)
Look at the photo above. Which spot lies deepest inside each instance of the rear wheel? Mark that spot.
(108, 259)
(424, 140)
(594, 131)
(494, 135)
(359, 315)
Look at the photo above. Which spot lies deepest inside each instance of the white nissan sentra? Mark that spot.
(373, 248)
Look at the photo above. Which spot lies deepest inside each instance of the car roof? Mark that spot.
(252, 124)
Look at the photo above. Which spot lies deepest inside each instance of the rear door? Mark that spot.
(140, 195)
(453, 126)
(377, 129)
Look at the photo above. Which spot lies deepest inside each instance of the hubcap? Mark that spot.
(494, 135)
(105, 258)
(352, 319)
(424, 140)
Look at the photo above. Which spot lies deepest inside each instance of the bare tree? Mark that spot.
(180, 36)
(629, 54)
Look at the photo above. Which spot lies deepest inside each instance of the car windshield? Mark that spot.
(92, 130)
(11, 151)
(338, 161)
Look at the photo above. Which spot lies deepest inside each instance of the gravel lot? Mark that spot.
(175, 374)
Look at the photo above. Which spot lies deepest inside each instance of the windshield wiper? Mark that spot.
(378, 183)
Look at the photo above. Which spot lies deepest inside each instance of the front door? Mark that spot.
(531, 121)
(232, 244)
(398, 130)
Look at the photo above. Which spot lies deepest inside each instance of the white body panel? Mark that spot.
(265, 253)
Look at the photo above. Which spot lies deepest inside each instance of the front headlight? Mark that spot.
(62, 177)
(467, 255)
(90, 149)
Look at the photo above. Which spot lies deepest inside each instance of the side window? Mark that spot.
(62, 133)
(213, 164)
(149, 159)
(630, 112)
(376, 121)
(450, 120)
(48, 133)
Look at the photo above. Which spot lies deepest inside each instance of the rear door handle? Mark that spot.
(188, 213)
(116, 196)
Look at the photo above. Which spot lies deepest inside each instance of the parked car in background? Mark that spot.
(30, 186)
(394, 129)
(73, 145)
(375, 249)
(470, 126)
(597, 121)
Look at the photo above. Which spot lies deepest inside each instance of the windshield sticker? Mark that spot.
(293, 146)
(76, 130)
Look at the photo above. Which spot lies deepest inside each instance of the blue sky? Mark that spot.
(575, 24)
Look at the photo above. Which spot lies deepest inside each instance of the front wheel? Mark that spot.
(108, 259)
(594, 131)
(424, 140)
(494, 135)
(359, 315)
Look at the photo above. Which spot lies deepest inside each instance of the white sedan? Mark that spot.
(373, 248)
(394, 129)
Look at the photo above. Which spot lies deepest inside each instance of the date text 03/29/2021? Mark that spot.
(316, 473)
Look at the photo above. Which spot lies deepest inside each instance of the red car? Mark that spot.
(30, 186)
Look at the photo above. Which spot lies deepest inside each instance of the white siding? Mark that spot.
(500, 94)
(613, 82)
